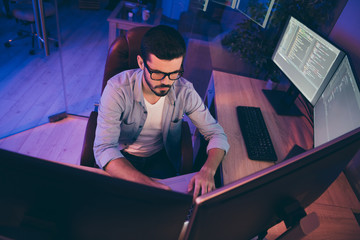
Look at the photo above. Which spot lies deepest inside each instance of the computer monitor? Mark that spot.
(250, 206)
(47, 200)
(308, 61)
(338, 109)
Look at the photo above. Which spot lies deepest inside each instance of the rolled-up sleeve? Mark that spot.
(206, 124)
(106, 144)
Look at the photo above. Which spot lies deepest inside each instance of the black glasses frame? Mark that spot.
(179, 72)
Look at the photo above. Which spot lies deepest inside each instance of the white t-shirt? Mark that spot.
(150, 140)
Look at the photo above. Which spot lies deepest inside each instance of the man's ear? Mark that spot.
(140, 62)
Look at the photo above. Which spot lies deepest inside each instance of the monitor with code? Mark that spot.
(307, 59)
(338, 108)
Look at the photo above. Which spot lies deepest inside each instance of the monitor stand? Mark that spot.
(284, 102)
(298, 223)
(307, 225)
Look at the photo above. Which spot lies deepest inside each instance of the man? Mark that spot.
(140, 114)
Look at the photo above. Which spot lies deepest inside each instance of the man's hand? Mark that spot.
(203, 182)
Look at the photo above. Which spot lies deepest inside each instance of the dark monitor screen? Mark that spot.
(307, 59)
(250, 206)
(338, 109)
(47, 200)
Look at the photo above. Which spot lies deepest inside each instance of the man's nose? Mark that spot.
(166, 80)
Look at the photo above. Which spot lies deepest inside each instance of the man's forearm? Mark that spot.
(215, 156)
(122, 168)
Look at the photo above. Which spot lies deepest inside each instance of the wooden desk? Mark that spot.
(334, 208)
(228, 91)
(119, 20)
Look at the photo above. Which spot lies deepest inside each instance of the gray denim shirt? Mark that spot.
(122, 114)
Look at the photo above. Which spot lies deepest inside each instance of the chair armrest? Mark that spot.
(87, 153)
(186, 149)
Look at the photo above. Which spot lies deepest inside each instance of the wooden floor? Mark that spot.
(27, 98)
(60, 141)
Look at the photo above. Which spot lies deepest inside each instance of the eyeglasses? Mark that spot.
(158, 76)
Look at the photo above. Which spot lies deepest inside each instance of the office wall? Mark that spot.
(346, 34)
(173, 9)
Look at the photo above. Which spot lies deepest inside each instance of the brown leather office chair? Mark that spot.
(122, 55)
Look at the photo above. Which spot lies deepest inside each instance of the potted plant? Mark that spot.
(256, 45)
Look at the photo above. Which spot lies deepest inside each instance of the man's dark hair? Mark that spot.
(164, 42)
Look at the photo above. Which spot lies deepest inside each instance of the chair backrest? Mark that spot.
(123, 53)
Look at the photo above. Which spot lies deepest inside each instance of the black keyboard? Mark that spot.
(255, 133)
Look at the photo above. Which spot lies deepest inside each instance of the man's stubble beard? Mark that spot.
(162, 93)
